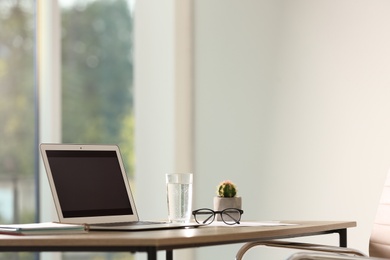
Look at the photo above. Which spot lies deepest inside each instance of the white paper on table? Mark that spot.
(252, 224)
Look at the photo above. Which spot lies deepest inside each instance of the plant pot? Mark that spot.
(221, 203)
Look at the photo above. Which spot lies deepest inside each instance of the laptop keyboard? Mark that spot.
(135, 223)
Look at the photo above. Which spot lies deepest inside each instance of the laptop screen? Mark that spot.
(89, 183)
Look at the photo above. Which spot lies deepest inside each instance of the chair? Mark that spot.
(379, 245)
(326, 256)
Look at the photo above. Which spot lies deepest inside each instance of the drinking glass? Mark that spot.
(179, 197)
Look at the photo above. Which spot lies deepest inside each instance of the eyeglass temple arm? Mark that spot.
(207, 219)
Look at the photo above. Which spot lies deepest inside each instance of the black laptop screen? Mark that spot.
(89, 183)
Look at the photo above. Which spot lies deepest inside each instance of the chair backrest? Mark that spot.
(326, 256)
(379, 245)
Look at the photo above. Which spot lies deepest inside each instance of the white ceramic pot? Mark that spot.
(221, 203)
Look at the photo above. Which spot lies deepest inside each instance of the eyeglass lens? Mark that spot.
(231, 216)
(204, 216)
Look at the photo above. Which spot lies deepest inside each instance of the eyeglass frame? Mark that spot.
(194, 212)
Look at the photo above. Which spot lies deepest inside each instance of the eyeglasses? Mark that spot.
(230, 216)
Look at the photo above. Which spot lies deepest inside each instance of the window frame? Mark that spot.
(48, 67)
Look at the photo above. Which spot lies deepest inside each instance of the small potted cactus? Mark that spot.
(227, 197)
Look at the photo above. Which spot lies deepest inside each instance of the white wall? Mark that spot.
(292, 103)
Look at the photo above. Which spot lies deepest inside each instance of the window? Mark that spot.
(97, 98)
(97, 74)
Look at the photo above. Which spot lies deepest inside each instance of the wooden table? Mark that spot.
(168, 240)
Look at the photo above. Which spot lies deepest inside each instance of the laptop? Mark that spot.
(90, 186)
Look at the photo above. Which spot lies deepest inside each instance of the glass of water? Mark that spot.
(179, 197)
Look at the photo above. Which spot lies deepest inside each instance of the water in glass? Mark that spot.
(179, 202)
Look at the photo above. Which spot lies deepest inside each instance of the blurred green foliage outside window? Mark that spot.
(17, 116)
(97, 74)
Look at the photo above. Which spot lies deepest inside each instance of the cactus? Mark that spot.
(227, 189)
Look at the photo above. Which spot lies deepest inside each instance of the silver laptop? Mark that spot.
(90, 186)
